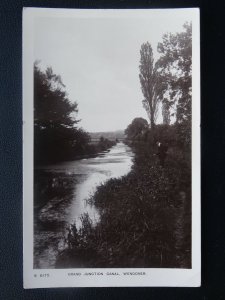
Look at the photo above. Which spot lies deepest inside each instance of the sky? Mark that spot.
(98, 60)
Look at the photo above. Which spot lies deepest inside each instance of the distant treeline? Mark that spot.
(111, 135)
(56, 134)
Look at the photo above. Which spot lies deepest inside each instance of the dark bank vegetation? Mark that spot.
(145, 217)
(57, 136)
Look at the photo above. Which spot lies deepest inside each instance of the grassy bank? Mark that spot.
(145, 217)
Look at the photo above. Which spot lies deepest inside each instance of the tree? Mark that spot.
(165, 113)
(56, 136)
(52, 107)
(175, 65)
(151, 84)
(136, 129)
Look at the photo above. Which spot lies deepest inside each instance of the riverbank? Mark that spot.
(78, 151)
(145, 217)
(60, 193)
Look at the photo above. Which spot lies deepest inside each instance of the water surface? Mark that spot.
(61, 191)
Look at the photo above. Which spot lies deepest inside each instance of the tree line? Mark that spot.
(57, 136)
(167, 82)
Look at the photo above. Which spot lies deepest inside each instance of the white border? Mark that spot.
(153, 276)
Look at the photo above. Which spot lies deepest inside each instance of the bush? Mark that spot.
(145, 217)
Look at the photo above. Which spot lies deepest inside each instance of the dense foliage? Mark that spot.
(136, 129)
(144, 217)
(175, 65)
(56, 135)
(168, 81)
(55, 132)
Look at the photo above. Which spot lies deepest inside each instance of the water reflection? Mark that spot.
(60, 195)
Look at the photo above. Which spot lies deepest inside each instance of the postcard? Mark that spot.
(111, 147)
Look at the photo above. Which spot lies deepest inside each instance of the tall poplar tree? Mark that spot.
(151, 85)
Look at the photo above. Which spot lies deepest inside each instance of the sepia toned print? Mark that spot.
(113, 144)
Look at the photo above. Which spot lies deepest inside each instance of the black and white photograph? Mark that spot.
(111, 112)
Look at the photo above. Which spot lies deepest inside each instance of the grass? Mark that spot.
(145, 217)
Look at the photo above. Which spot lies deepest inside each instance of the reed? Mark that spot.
(145, 217)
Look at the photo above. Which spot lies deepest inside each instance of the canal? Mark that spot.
(61, 192)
